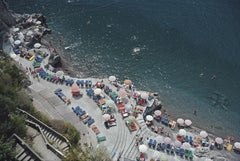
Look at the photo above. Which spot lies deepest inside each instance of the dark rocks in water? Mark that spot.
(6, 15)
(55, 60)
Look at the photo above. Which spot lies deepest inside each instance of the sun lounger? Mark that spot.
(177, 151)
(181, 152)
(150, 143)
(191, 140)
(90, 121)
(86, 119)
(95, 129)
(158, 147)
(101, 138)
(168, 148)
(186, 139)
(163, 147)
(154, 144)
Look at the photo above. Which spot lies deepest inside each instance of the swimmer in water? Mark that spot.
(213, 77)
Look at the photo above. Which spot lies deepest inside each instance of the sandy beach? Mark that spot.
(120, 142)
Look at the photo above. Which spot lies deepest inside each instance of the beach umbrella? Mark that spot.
(143, 148)
(110, 103)
(144, 95)
(106, 117)
(38, 22)
(156, 154)
(180, 121)
(131, 118)
(75, 89)
(237, 145)
(29, 33)
(124, 100)
(17, 42)
(188, 122)
(157, 113)
(128, 107)
(182, 132)
(112, 78)
(167, 140)
(159, 139)
(97, 91)
(12, 55)
(149, 118)
(16, 29)
(177, 143)
(127, 82)
(186, 145)
(122, 93)
(203, 134)
(219, 140)
(59, 73)
(37, 45)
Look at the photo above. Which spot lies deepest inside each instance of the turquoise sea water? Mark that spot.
(173, 47)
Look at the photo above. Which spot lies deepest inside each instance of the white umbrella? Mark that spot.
(131, 118)
(17, 42)
(143, 148)
(203, 134)
(237, 145)
(186, 145)
(219, 140)
(38, 22)
(180, 121)
(97, 91)
(167, 140)
(149, 118)
(124, 100)
(106, 117)
(188, 122)
(37, 45)
(12, 55)
(29, 33)
(159, 139)
(156, 154)
(182, 132)
(128, 106)
(177, 143)
(144, 95)
(16, 29)
(110, 103)
(122, 93)
(112, 78)
(157, 112)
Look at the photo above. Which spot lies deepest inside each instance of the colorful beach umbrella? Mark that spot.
(122, 93)
(106, 117)
(144, 95)
(127, 82)
(75, 89)
(143, 148)
(112, 78)
(149, 118)
(188, 122)
(180, 121)
(177, 143)
(157, 113)
(218, 140)
(186, 145)
(182, 132)
(97, 91)
(203, 134)
(167, 140)
(237, 145)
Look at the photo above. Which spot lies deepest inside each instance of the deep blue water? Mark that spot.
(179, 45)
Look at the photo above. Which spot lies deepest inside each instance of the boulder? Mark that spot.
(55, 60)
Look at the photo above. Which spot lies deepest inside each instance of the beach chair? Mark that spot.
(154, 144)
(168, 148)
(186, 139)
(190, 155)
(101, 138)
(186, 152)
(150, 143)
(181, 152)
(86, 119)
(90, 121)
(163, 147)
(191, 140)
(177, 151)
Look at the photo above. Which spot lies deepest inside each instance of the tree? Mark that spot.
(6, 152)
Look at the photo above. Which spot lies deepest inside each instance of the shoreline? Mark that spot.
(71, 73)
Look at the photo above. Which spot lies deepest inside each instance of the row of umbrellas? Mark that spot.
(181, 122)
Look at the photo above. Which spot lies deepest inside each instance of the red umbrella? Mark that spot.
(75, 89)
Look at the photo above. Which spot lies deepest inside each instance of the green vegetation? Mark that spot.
(13, 96)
